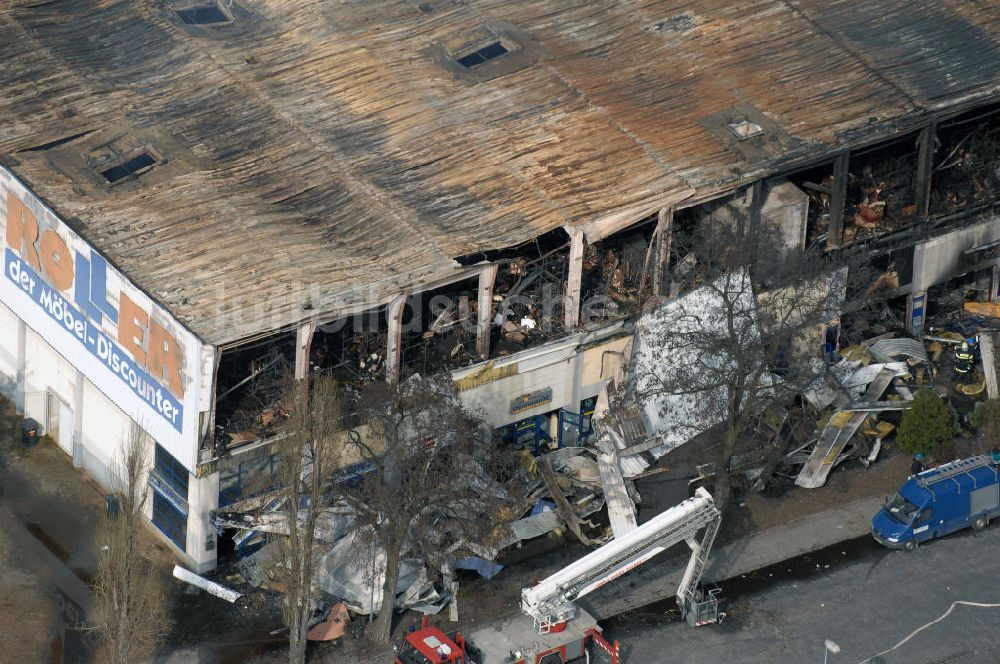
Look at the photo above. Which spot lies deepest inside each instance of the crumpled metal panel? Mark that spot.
(888, 350)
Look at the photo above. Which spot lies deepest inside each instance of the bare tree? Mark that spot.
(748, 333)
(132, 611)
(307, 457)
(436, 480)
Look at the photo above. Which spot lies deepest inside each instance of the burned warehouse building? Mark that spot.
(202, 201)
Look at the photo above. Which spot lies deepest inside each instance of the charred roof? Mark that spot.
(316, 156)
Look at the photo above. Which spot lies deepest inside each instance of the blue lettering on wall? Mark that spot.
(91, 287)
(93, 339)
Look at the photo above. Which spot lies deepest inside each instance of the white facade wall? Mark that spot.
(50, 390)
(574, 369)
(938, 259)
(9, 364)
(104, 430)
(96, 353)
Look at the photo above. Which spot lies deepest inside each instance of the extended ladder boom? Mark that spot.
(551, 601)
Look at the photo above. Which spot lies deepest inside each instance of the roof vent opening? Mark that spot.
(134, 166)
(745, 129)
(482, 55)
(204, 14)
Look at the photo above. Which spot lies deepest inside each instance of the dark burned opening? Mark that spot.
(352, 349)
(208, 14)
(528, 293)
(253, 390)
(482, 55)
(617, 274)
(132, 167)
(877, 304)
(439, 329)
(817, 183)
(881, 189)
(966, 175)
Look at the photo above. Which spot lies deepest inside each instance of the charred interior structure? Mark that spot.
(311, 187)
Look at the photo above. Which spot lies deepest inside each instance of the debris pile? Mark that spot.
(967, 176)
(562, 489)
(528, 301)
(255, 406)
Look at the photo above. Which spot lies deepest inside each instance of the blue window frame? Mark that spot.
(171, 471)
(171, 521)
(527, 433)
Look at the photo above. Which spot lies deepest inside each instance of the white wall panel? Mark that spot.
(8, 352)
(105, 426)
(46, 370)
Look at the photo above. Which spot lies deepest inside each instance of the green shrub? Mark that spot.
(925, 425)
(986, 418)
(985, 413)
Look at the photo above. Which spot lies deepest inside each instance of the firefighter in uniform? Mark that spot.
(963, 360)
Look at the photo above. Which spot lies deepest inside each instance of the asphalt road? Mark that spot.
(863, 597)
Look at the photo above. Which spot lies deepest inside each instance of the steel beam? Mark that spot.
(838, 201)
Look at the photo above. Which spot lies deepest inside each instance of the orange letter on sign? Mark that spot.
(132, 324)
(22, 230)
(165, 354)
(56, 260)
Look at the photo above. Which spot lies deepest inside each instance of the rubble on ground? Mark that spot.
(847, 412)
(350, 567)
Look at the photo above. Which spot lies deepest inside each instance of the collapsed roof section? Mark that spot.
(307, 158)
(678, 339)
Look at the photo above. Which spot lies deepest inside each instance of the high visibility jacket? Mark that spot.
(963, 360)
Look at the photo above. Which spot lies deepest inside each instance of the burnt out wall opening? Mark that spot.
(351, 349)
(881, 189)
(528, 308)
(966, 173)
(615, 270)
(688, 223)
(876, 304)
(439, 329)
(253, 390)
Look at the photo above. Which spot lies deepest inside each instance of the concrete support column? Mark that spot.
(571, 303)
(209, 434)
(664, 239)
(838, 201)
(303, 341)
(203, 498)
(20, 388)
(927, 143)
(394, 343)
(78, 420)
(755, 203)
(485, 313)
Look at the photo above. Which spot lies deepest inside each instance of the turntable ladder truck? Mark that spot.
(553, 629)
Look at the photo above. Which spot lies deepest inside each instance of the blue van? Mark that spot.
(940, 501)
